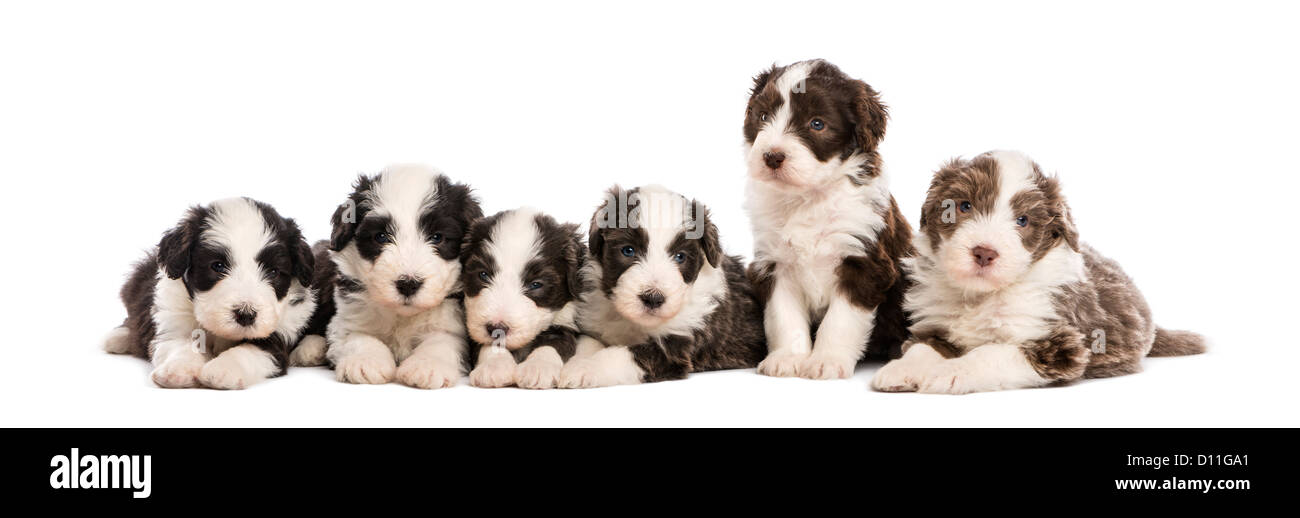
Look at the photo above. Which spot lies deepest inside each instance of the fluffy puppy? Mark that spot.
(221, 300)
(665, 298)
(828, 236)
(521, 273)
(1006, 296)
(396, 279)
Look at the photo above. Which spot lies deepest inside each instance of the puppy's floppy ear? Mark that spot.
(460, 199)
(343, 224)
(1061, 228)
(709, 239)
(870, 116)
(176, 244)
(607, 214)
(760, 80)
(304, 262)
(574, 257)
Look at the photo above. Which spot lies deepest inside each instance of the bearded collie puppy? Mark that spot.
(522, 273)
(1007, 297)
(394, 275)
(221, 300)
(828, 236)
(664, 299)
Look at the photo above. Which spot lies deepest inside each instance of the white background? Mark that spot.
(1173, 126)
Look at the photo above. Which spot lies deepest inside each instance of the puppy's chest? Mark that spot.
(1006, 318)
(819, 235)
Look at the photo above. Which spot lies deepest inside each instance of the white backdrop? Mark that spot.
(1172, 124)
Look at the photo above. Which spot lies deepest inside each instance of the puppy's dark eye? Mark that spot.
(1022, 220)
(273, 272)
(436, 238)
(383, 238)
(483, 276)
(629, 251)
(762, 116)
(679, 257)
(817, 125)
(535, 285)
(965, 206)
(220, 267)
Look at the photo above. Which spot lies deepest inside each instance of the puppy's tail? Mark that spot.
(1176, 343)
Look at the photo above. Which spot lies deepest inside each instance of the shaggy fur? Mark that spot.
(1006, 296)
(828, 236)
(395, 278)
(522, 273)
(222, 299)
(665, 299)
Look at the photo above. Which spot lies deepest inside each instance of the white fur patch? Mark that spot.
(238, 368)
(607, 367)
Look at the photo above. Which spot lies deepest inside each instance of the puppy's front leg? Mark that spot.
(541, 369)
(841, 340)
(177, 363)
(436, 363)
(666, 358)
(789, 334)
(241, 366)
(495, 368)
(1060, 357)
(361, 358)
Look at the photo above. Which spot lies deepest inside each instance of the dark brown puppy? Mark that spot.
(1006, 296)
(828, 236)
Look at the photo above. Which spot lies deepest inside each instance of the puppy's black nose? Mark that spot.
(407, 286)
(984, 256)
(497, 330)
(652, 299)
(774, 158)
(245, 317)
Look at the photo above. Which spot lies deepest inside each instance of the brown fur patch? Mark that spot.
(959, 181)
(876, 281)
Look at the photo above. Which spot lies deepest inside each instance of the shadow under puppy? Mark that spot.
(393, 275)
(663, 296)
(828, 235)
(221, 300)
(522, 275)
(1006, 296)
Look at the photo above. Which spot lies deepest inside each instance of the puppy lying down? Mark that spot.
(1005, 296)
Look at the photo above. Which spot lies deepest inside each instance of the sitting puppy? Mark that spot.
(1006, 296)
(396, 279)
(828, 236)
(665, 298)
(221, 300)
(521, 273)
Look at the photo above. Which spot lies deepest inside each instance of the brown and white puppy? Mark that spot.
(394, 276)
(828, 236)
(222, 299)
(664, 297)
(522, 276)
(1006, 296)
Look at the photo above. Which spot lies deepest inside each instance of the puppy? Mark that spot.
(522, 274)
(395, 279)
(828, 236)
(221, 300)
(665, 298)
(1006, 296)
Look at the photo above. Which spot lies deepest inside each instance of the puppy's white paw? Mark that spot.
(427, 373)
(309, 353)
(494, 370)
(225, 373)
(539, 372)
(898, 376)
(826, 367)
(180, 371)
(608, 367)
(118, 341)
(366, 368)
(949, 377)
(782, 364)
